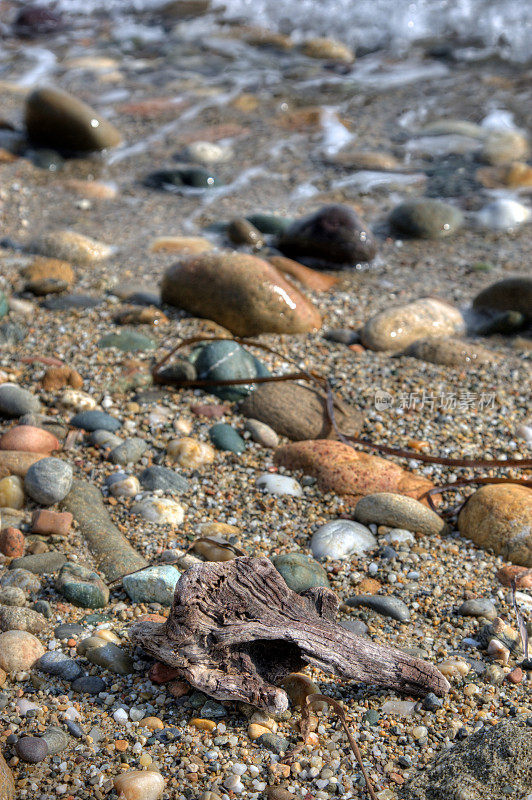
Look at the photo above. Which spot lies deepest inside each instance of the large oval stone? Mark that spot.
(29, 439)
(511, 294)
(498, 517)
(334, 236)
(246, 295)
(426, 218)
(397, 327)
(57, 119)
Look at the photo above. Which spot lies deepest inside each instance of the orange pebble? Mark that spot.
(121, 745)
(152, 723)
(203, 724)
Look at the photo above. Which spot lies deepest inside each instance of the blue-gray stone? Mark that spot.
(43, 607)
(129, 452)
(57, 663)
(16, 401)
(95, 421)
(81, 586)
(11, 333)
(478, 607)
(167, 480)
(300, 572)
(40, 563)
(67, 302)
(213, 710)
(48, 481)
(152, 585)
(74, 729)
(127, 341)
(226, 360)
(88, 684)
(224, 437)
(386, 605)
(355, 626)
(68, 630)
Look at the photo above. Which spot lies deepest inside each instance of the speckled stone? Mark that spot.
(56, 739)
(31, 749)
(164, 479)
(128, 452)
(40, 563)
(82, 587)
(152, 585)
(398, 511)
(48, 481)
(57, 663)
(127, 341)
(279, 484)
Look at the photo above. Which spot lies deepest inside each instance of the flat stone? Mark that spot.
(16, 401)
(355, 626)
(300, 571)
(89, 684)
(48, 481)
(299, 412)
(152, 585)
(164, 479)
(81, 586)
(273, 742)
(279, 484)
(451, 352)
(40, 563)
(68, 630)
(12, 596)
(339, 539)
(399, 511)
(69, 302)
(95, 421)
(57, 663)
(114, 555)
(386, 605)
(192, 177)
(127, 341)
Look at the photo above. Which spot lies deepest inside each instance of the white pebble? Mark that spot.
(120, 716)
(503, 215)
(279, 484)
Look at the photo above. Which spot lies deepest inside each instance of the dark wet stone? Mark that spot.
(95, 421)
(82, 587)
(49, 160)
(334, 236)
(68, 630)
(167, 480)
(16, 401)
(503, 322)
(300, 572)
(431, 702)
(114, 555)
(242, 231)
(180, 369)
(371, 716)
(144, 299)
(40, 563)
(43, 607)
(37, 20)
(224, 437)
(227, 361)
(31, 749)
(74, 729)
(386, 605)
(453, 176)
(68, 302)
(510, 294)
(192, 177)
(89, 684)
(57, 663)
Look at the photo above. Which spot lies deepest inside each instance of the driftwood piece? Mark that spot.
(236, 630)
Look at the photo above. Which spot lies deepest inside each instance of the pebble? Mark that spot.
(398, 327)
(12, 541)
(190, 453)
(510, 294)
(329, 49)
(163, 479)
(106, 439)
(387, 606)
(241, 231)
(399, 536)
(31, 749)
(355, 626)
(300, 572)
(152, 585)
(339, 539)
(271, 741)
(88, 684)
(57, 663)
(159, 510)
(400, 708)
(431, 702)
(12, 596)
(21, 619)
(224, 437)
(29, 439)
(110, 656)
(11, 492)
(332, 237)
(40, 563)
(193, 177)
(128, 452)
(127, 341)
(76, 248)
(46, 522)
(139, 785)
(502, 215)
(226, 361)
(68, 630)
(206, 152)
(398, 511)
(245, 294)
(94, 420)
(481, 607)
(21, 579)
(426, 218)
(279, 485)
(82, 587)
(48, 481)
(261, 433)
(16, 401)
(123, 485)
(56, 739)
(19, 650)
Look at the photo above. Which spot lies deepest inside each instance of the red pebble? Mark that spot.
(46, 522)
(12, 543)
(179, 688)
(515, 676)
(210, 411)
(162, 673)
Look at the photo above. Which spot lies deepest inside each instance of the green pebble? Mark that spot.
(224, 437)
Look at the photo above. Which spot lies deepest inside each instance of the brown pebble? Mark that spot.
(46, 522)
(12, 543)
(28, 439)
(515, 676)
(203, 724)
(210, 411)
(58, 377)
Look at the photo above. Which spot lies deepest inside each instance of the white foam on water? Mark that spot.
(501, 25)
